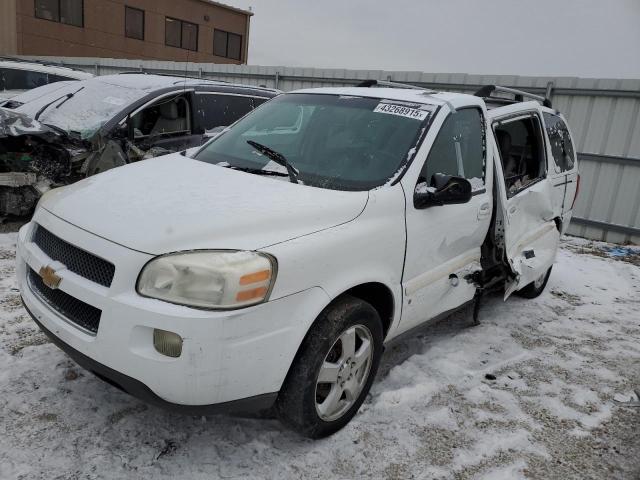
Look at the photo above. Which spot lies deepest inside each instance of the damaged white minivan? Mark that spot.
(271, 267)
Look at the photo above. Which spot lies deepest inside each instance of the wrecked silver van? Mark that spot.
(60, 133)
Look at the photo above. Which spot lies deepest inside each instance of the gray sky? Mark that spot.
(588, 38)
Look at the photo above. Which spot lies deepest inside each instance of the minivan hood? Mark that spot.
(175, 203)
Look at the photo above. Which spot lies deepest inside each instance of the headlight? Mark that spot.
(209, 279)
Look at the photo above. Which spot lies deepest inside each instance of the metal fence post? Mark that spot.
(277, 80)
(549, 92)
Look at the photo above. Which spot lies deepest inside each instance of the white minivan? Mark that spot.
(271, 267)
(18, 76)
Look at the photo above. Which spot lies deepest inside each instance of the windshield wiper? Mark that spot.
(61, 131)
(64, 99)
(277, 157)
(258, 171)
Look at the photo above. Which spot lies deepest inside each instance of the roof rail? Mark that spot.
(172, 75)
(486, 91)
(209, 81)
(384, 83)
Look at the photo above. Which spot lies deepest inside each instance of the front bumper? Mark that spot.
(226, 357)
(140, 390)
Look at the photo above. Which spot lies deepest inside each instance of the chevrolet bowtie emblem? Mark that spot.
(50, 278)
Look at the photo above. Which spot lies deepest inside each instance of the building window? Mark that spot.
(226, 44)
(69, 12)
(181, 34)
(134, 23)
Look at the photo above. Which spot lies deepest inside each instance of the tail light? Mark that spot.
(577, 191)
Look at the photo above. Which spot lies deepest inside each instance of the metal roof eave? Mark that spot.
(248, 13)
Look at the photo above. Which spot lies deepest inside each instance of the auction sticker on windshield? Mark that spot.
(402, 111)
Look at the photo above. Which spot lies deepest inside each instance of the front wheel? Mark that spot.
(334, 370)
(535, 288)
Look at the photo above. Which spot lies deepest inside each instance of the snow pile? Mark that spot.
(525, 394)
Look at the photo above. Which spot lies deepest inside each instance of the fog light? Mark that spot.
(167, 343)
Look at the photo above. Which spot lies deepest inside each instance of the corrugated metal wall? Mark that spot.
(603, 115)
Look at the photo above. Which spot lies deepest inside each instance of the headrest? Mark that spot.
(504, 140)
(169, 110)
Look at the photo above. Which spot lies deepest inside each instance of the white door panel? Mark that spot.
(442, 242)
(533, 255)
(530, 232)
(440, 289)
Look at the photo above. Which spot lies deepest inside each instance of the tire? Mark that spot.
(535, 288)
(317, 409)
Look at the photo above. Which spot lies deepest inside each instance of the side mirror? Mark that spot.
(445, 190)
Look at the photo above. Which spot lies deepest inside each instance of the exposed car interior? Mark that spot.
(167, 117)
(522, 151)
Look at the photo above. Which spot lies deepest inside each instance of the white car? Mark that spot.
(18, 76)
(272, 267)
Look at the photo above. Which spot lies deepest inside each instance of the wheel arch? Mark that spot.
(379, 296)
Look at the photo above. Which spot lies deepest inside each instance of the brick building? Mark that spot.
(177, 30)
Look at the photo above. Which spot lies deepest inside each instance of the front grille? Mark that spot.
(75, 259)
(76, 311)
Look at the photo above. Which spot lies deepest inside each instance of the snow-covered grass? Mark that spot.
(527, 394)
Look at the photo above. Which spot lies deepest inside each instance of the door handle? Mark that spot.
(513, 210)
(485, 208)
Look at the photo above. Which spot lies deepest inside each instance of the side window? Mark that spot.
(168, 117)
(561, 144)
(36, 79)
(14, 79)
(221, 110)
(58, 78)
(521, 145)
(459, 149)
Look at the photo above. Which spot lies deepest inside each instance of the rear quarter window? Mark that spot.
(561, 143)
(219, 110)
(11, 79)
(58, 78)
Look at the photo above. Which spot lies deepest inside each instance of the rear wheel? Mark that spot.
(535, 288)
(334, 369)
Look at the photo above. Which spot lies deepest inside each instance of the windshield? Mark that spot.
(335, 142)
(86, 112)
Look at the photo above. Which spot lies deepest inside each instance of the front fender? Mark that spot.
(370, 248)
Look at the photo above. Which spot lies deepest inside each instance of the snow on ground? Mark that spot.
(527, 394)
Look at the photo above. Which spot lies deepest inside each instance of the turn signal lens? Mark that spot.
(167, 343)
(255, 277)
(247, 295)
